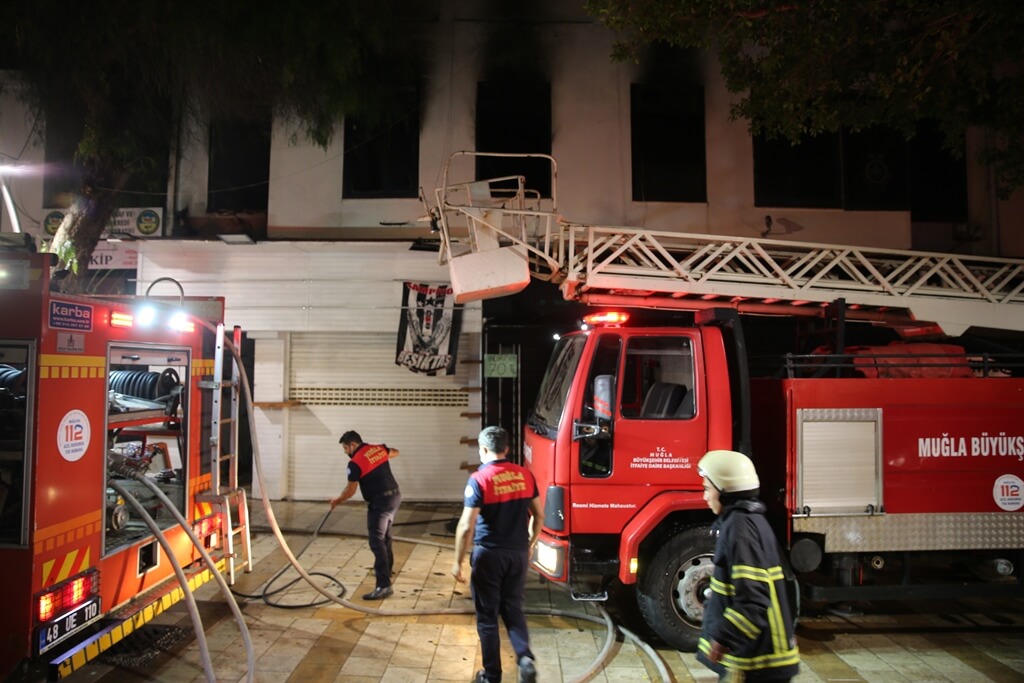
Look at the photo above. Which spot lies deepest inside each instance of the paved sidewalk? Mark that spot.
(300, 642)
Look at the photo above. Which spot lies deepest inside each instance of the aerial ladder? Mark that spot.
(496, 235)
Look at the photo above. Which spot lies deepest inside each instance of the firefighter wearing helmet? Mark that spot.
(748, 628)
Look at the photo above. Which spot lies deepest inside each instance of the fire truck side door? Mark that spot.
(592, 430)
(661, 429)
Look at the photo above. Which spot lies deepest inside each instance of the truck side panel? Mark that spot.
(897, 464)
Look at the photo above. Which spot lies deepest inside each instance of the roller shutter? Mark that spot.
(348, 380)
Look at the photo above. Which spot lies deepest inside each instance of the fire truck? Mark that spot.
(116, 420)
(891, 457)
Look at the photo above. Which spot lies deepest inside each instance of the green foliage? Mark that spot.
(66, 257)
(802, 67)
(125, 66)
(120, 76)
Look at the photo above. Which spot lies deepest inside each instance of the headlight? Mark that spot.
(550, 558)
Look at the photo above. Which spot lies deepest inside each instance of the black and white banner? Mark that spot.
(428, 332)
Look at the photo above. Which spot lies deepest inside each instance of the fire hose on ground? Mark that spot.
(292, 559)
(197, 624)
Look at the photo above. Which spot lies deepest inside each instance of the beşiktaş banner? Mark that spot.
(428, 331)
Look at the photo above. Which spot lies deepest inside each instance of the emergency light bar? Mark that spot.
(605, 319)
(147, 315)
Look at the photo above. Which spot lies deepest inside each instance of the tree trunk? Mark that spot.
(80, 231)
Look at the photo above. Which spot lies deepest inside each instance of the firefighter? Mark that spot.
(748, 629)
(369, 468)
(499, 499)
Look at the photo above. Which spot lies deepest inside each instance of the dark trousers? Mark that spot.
(380, 515)
(498, 582)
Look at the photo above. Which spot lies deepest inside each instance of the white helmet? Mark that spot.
(729, 471)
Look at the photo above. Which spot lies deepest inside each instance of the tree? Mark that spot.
(119, 76)
(803, 67)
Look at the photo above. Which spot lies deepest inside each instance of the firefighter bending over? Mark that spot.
(369, 469)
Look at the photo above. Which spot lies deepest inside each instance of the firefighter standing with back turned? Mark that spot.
(748, 628)
(499, 500)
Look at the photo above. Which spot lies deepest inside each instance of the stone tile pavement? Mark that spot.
(298, 636)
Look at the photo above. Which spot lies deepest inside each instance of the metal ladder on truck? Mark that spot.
(496, 235)
(225, 493)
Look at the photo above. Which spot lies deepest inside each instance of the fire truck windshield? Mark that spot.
(554, 389)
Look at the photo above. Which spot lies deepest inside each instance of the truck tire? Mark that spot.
(670, 591)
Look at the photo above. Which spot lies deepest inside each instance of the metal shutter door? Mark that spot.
(349, 381)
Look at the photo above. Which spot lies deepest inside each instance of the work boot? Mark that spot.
(527, 670)
(480, 677)
(378, 593)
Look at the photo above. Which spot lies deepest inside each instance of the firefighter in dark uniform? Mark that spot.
(500, 498)
(369, 468)
(748, 625)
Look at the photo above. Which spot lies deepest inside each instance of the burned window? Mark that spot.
(239, 166)
(667, 134)
(382, 152)
(514, 117)
(866, 170)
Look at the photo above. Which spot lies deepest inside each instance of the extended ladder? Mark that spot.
(225, 492)
(495, 236)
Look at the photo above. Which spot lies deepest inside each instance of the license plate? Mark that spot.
(72, 622)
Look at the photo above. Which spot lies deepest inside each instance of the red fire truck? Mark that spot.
(103, 400)
(891, 470)
(884, 468)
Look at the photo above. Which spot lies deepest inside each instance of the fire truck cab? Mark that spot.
(105, 440)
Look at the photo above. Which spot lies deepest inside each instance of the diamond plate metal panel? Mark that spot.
(916, 532)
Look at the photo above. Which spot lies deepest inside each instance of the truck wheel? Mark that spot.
(670, 592)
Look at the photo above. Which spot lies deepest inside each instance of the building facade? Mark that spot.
(337, 232)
